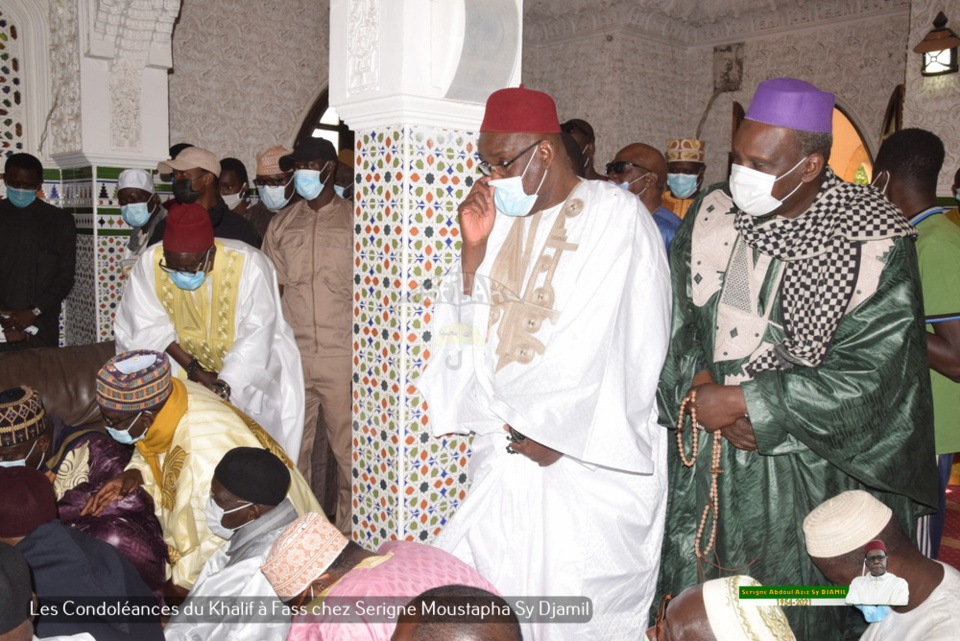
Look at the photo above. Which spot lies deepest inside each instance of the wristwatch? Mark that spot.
(36, 311)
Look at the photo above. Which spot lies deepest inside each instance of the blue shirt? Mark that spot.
(668, 223)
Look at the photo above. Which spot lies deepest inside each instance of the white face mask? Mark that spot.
(626, 185)
(752, 189)
(215, 515)
(232, 200)
(886, 183)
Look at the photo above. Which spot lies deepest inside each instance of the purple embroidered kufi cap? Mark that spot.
(792, 103)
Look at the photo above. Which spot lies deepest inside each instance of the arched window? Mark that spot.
(322, 121)
(849, 157)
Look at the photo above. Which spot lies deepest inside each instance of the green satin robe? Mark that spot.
(861, 420)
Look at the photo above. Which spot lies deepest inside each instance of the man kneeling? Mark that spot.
(248, 506)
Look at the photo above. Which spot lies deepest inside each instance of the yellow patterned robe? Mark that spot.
(233, 324)
(208, 430)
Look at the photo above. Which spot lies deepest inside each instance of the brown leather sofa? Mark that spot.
(64, 376)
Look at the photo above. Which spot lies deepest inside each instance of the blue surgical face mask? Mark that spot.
(21, 197)
(191, 281)
(135, 214)
(123, 436)
(340, 190)
(274, 197)
(188, 281)
(682, 185)
(20, 462)
(510, 197)
(308, 183)
(957, 194)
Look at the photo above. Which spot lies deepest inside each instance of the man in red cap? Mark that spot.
(567, 281)
(879, 587)
(213, 306)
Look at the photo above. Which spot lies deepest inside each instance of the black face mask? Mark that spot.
(184, 192)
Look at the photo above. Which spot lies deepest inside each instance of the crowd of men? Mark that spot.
(675, 391)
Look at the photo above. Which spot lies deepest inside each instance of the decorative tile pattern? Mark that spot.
(11, 110)
(409, 182)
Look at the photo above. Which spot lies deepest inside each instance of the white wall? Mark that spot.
(244, 74)
(636, 87)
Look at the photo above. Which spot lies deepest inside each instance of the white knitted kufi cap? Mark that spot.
(845, 523)
(733, 620)
(137, 178)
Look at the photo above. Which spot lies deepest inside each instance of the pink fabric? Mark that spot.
(414, 568)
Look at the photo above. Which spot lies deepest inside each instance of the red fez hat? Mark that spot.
(189, 230)
(875, 545)
(26, 502)
(519, 110)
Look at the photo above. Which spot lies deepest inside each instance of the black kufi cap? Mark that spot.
(254, 475)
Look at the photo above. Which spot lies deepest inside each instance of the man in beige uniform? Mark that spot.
(311, 244)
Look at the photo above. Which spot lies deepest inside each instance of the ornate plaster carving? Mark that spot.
(131, 34)
(364, 49)
(62, 127)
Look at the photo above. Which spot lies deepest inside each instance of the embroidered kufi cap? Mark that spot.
(845, 523)
(189, 230)
(26, 502)
(134, 381)
(21, 416)
(137, 179)
(733, 620)
(16, 591)
(254, 475)
(520, 110)
(685, 150)
(191, 158)
(792, 103)
(302, 552)
(268, 163)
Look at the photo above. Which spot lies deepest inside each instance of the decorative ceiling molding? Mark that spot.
(695, 24)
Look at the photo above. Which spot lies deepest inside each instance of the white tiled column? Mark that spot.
(393, 67)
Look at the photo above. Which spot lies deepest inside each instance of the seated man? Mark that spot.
(181, 431)
(248, 506)
(67, 564)
(16, 593)
(78, 462)
(311, 558)
(213, 306)
(424, 623)
(879, 587)
(140, 208)
(713, 610)
(836, 532)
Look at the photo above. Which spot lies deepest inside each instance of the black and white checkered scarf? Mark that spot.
(821, 254)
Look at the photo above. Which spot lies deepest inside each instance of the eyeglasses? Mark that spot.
(274, 182)
(487, 168)
(661, 615)
(874, 559)
(110, 423)
(620, 166)
(202, 267)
